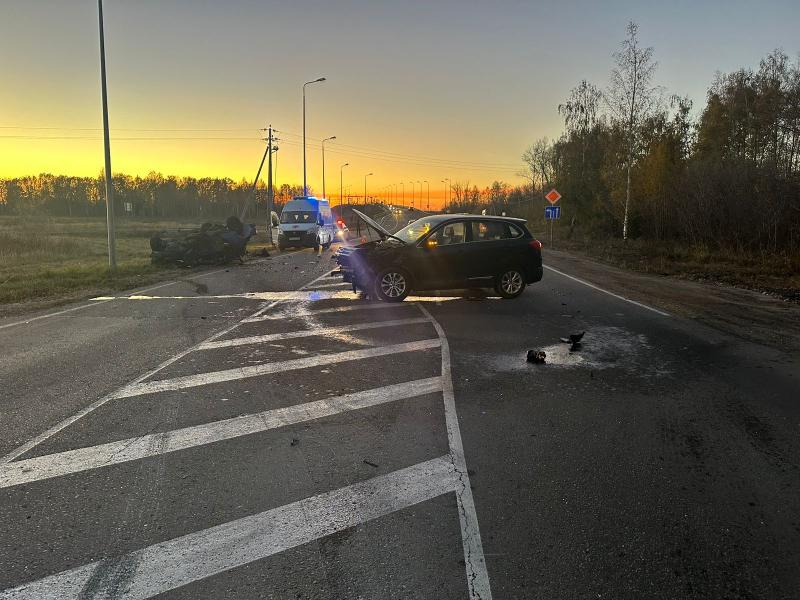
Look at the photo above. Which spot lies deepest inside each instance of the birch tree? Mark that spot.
(631, 97)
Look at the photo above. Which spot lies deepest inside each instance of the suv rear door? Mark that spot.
(494, 244)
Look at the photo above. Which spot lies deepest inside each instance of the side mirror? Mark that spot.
(431, 243)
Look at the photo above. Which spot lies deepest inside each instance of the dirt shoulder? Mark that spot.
(749, 315)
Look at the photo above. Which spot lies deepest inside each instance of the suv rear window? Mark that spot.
(485, 231)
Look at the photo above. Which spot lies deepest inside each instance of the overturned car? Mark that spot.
(211, 244)
(442, 252)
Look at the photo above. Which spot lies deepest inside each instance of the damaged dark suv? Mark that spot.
(442, 252)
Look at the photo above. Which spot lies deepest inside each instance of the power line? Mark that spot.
(120, 129)
(417, 161)
(121, 139)
(400, 155)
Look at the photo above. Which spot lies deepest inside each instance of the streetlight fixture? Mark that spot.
(340, 181)
(333, 137)
(429, 194)
(365, 187)
(305, 180)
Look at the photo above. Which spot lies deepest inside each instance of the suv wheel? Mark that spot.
(510, 283)
(392, 285)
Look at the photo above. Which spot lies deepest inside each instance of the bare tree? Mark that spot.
(580, 113)
(538, 159)
(631, 97)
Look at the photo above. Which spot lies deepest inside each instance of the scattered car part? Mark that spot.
(536, 357)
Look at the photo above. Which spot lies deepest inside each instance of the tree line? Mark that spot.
(155, 196)
(633, 160)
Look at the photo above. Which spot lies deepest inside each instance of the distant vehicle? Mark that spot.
(306, 222)
(342, 232)
(211, 244)
(441, 252)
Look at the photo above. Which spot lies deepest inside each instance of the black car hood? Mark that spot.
(372, 223)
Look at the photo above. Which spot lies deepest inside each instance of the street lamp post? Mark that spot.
(365, 188)
(420, 193)
(403, 191)
(305, 180)
(333, 137)
(112, 239)
(340, 181)
(429, 194)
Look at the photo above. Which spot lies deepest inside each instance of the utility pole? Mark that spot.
(269, 187)
(258, 174)
(112, 239)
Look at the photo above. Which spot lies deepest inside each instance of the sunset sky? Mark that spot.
(416, 90)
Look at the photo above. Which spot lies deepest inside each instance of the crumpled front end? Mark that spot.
(353, 265)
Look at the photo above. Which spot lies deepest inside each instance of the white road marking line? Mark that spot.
(306, 294)
(187, 381)
(333, 285)
(183, 560)
(477, 575)
(322, 311)
(599, 289)
(52, 314)
(20, 450)
(309, 295)
(318, 331)
(96, 302)
(103, 455)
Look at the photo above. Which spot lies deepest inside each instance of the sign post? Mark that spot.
(552, 212)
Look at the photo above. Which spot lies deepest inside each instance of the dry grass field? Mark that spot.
(48, 259)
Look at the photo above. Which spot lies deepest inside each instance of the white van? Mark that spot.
(306, 222)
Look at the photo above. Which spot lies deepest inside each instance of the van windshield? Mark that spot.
(298, 216)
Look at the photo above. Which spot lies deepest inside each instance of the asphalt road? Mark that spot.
(260, 432)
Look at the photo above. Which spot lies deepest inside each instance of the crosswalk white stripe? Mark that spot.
(103, 455)
(187, 381)
(324, 311)
(32, 443)
(321, 331)
(181, 561)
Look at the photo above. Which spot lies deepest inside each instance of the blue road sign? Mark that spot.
(551, 213)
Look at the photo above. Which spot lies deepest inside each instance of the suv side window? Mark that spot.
(487, 231)
(450, 233)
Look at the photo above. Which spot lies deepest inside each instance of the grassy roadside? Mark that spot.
(51, 260)
(774, 274)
